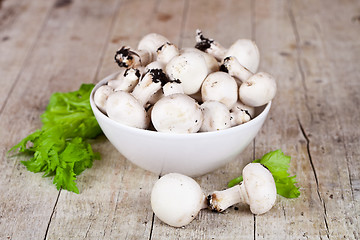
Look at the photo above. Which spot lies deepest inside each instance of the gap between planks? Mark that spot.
(112, 24)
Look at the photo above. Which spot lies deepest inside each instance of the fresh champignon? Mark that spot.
(166, 52)
(101, 95)
(209, 45)
(177, 199)
(220, 86)
(211, 62)
(152, 82)
(126, 80)
(145, 53)
(241, 113)
(127, 57)
(244, 50)
(154, 65)
(257, 190)
(190, 69)
(216, 116)
(172, 87)
(232, 66)
(177, 113)
(151, 43)
(169, 88)
(122, 107)
(258, 90)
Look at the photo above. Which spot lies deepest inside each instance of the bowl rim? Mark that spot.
(152, 133)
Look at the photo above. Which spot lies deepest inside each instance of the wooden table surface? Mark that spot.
(311, 47)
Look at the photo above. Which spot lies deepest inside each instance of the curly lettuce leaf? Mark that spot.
(59, 148)
(278, 165)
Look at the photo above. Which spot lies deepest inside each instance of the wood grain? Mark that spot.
(311, 47)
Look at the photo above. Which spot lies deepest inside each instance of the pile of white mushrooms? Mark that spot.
(177, 199)
(206, 88)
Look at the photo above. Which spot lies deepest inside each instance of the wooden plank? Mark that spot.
(65, 55)
(213, 17)
(327, 61)
(304, 114)
(299, 218)
(20, 24)
(158, 16)
(115, 198)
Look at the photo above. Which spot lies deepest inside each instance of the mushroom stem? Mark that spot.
(172, 87)
(240, 113)
(232, 66)
(166, 52)
(149, 85)
(258, 190)
(126, 81)
(209, 45)
(127, 57)
(221, 200)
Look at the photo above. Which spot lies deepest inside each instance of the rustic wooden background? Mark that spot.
(311, 47)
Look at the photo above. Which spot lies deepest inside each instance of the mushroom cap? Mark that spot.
(258, 89)
(101, 95)
(177, 113)
(154, 65)
(211, 62)
(151, 42)
(124, 108)
(220, 86)
(260, 187)
(190, 68)
(176, 199)
(246, 52)
(216, 116)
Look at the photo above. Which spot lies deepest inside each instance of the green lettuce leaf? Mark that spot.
(60, 147)
(278, 165)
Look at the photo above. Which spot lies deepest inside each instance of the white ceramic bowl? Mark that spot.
(190, 154)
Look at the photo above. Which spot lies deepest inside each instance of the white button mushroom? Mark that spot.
(167, 52)
(122, 107)
(177, 199)
(209, 45)
(190, 68)
(149, 85)
(151, 42)
(127, 57)
(244, 50)
(257, 189)
(232, 66)
(126, 80)
(177, 113)
(240, 113)
(172, 87)
(216, 116)
(101, 95)
(145, 53)
(258, 90)
(154, 65)
(220, 86)
(211, 62)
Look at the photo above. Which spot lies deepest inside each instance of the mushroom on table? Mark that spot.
(176, 199)
(257, 190)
